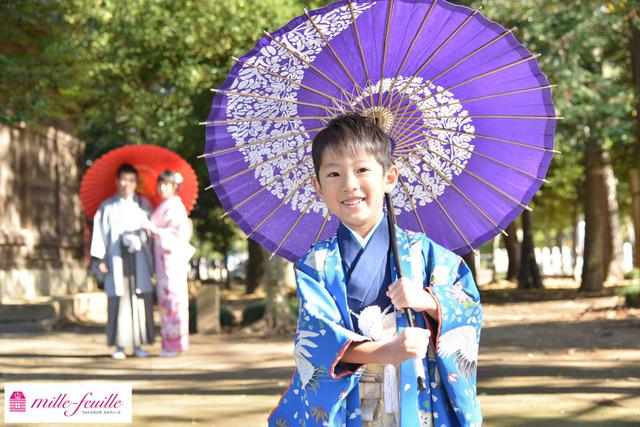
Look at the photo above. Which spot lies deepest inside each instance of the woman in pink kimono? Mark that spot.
(171, 229)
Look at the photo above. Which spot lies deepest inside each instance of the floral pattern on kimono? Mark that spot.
(172, 252)
(323, 392)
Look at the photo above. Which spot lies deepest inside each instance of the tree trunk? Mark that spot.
(278, 315)
(495, 246)
(529, 276)
(615, 270)
(574, 237)
(470, 259)
(634, 174)
(559, 245)
(594, 268)
(227, 280)
(256, 265)
(511, 243)
(634, 179)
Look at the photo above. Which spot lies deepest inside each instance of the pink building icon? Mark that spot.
(17, 402)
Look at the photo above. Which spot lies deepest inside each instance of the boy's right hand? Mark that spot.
(411, 343)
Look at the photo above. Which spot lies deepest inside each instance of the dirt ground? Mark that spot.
(564, 361)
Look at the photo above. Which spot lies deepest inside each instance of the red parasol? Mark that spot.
(98, 184)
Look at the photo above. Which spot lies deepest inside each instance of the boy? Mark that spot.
(122, 252)
(352, 336)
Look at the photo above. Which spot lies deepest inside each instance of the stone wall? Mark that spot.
(41, 221)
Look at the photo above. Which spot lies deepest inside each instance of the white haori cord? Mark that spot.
(391, 390)
(370, 322)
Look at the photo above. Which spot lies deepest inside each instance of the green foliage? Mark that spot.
(226, 317)
(585, 47)
(293, 306)
(253, 312)
(127, 72)
(633, 275)
(43, 74)
(631, 294)
(140, 72)
(213, 236)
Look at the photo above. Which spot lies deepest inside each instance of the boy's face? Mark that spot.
(353, 188)
(126, 183)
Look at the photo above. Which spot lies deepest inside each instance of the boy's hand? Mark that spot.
(404, 293)
(410, 344)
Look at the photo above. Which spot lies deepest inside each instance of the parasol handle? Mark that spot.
(393, 241)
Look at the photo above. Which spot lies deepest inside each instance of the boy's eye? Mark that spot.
(363, 170)
(332, 174)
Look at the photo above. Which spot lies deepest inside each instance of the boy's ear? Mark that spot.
(391, 178)
(317, 186)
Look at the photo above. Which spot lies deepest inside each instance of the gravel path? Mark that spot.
(552, 363)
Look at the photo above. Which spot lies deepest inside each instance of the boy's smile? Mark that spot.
(353, 188)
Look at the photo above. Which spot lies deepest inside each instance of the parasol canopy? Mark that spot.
(98, 183)
(469, 112)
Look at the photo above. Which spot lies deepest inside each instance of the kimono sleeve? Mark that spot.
(322, 336)
(98, 245)
(177, 232)
(456, 332)
(320, 392)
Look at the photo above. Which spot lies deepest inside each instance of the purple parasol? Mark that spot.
(469, 112)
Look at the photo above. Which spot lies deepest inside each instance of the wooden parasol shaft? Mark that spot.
(393, 242)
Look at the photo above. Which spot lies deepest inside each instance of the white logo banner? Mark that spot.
(97, 402)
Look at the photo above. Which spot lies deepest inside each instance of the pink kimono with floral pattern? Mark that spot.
(172, 253)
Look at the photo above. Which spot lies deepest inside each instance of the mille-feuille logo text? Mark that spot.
(88, 404)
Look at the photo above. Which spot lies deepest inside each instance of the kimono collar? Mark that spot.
(366, 269)
(335, 276)
(364, 240)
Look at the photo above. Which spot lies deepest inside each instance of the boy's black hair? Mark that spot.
(126, 168)
(350, 134)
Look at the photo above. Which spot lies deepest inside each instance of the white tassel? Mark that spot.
(391, 404)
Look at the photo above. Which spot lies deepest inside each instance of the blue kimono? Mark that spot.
(324, 392)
